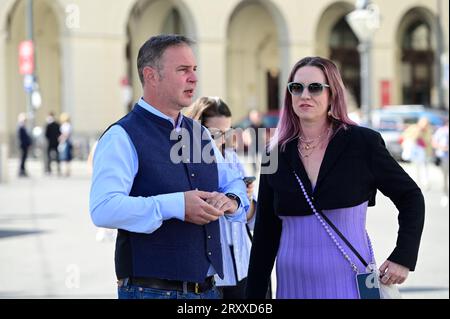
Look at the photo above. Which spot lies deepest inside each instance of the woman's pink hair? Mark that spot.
(288, 127)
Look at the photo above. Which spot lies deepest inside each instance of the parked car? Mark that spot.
(391, 121)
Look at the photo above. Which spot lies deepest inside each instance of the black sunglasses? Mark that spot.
(296, 88)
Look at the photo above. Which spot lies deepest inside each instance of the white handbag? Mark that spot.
(389, 292)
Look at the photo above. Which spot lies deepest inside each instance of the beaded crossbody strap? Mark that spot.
(324, 220)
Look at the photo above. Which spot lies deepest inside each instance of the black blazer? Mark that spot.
(24, 138)
(356, 163)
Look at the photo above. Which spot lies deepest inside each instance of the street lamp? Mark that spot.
(31, 85)
(364, 21)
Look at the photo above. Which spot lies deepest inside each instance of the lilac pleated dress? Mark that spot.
(310, 266)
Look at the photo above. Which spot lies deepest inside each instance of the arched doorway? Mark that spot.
(253, 60)
(344, 52)
(149, 18)
(337, 41)
(416, 43)
(47, 63)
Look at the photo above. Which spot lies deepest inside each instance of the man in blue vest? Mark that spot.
(149, 183)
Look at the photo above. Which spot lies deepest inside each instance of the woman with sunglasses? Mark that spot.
(215, 115)
(329, 170)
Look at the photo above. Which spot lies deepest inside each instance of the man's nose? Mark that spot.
(193, 77)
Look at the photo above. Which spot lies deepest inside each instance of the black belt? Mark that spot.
(157, 283)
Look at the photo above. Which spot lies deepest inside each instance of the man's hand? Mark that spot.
(221, 202)
(197, 210)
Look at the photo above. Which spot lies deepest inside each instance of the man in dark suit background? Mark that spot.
(24, 142)
(52, 134)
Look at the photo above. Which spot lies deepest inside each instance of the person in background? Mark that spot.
(65, 146)
(417, 148)
(214, 114)
(440, 144)
(24, 143)
(52, 134)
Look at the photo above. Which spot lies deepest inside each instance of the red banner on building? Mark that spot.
(385, 92)
(26, 57)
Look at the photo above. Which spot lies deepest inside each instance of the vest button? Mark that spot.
(209, 253)
(209, 236)
(193, 175)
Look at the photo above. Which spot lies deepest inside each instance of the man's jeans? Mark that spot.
(135, 292)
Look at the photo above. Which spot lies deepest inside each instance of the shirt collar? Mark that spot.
(157, 112)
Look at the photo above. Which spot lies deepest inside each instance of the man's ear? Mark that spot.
(150, 75)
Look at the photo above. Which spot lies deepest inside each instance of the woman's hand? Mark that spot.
(392, 273)
(250, 188)
(252, 209)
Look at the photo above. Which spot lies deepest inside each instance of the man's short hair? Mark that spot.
(152, 50)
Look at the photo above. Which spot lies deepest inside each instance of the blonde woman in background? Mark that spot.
(417, 148)
(215, 115)
(440, 145)
(65, 143)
